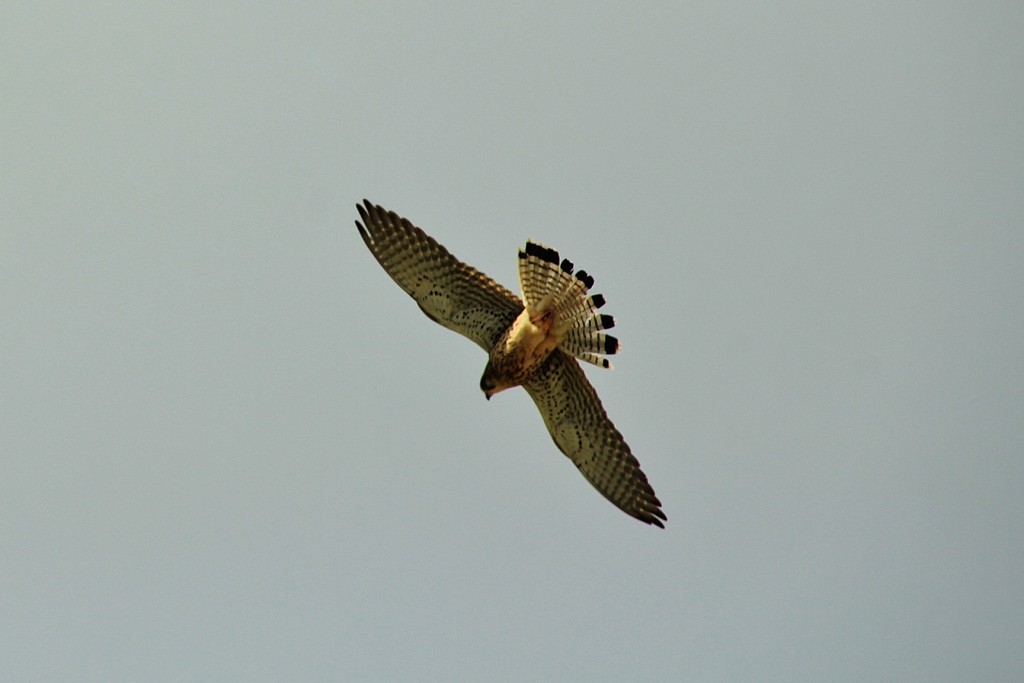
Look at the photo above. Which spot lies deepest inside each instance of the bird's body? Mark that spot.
(519, 352)
(531, 342)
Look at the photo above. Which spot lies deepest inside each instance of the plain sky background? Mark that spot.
(232, 449)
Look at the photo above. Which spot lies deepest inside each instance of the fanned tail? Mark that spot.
(550, 285)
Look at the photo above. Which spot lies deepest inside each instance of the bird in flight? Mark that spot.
(533, 342)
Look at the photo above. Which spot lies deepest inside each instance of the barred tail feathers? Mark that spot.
(549, 284)
(542, 277)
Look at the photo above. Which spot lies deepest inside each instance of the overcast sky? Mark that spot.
(231, 448)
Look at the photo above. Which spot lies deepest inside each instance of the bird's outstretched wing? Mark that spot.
(581, 429)
(450, 292)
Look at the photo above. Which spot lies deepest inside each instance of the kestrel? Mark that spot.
(532, 342)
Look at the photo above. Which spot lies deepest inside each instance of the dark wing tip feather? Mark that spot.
(651, 515)
(376, 214)
(365, 212)
(363, 230)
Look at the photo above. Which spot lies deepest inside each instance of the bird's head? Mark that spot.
(491, 383)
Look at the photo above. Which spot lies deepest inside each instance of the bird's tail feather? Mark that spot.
(550, 284)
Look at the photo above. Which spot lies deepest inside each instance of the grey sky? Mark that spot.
(233, 449)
